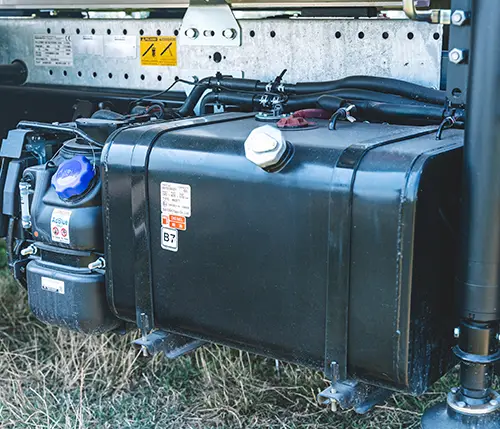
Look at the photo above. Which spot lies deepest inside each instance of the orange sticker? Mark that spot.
(164, 220)
(175, 218)
(177, 225)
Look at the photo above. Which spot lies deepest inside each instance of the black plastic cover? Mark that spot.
(72, 298)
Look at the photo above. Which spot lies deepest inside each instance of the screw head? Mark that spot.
(454, 390)
(229, 33)
(494, 403)
(458, 17)
(456, 332)
(456, 56)
(192, 33)
(461, 404)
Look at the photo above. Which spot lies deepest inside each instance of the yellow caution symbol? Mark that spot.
(158, 51)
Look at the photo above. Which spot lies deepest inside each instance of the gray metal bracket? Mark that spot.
(172, 345)
(209, 23)
(353, 394)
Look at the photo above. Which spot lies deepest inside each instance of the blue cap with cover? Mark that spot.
(73, 177)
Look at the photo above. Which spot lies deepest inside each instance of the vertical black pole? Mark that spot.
(479, 276)
(474, 404)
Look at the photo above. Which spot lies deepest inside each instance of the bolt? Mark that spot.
(97, 264)
(454, 390)
(494, 403)
(192, 33)
(229, 33)
(461, 404)
(498, 337)
(30, 250)
(456, 332)
(459, 17)
(456, 56)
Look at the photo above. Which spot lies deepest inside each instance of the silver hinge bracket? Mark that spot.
(209, 23)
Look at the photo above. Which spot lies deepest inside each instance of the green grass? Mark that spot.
(52, 378)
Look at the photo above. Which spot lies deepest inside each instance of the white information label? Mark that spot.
(89, 44)
(170, 239)
(53, 285)
(59, 225)
(120, 46)
(176, 199)
(53, 50)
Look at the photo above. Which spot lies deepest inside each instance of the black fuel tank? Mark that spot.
(345, 255)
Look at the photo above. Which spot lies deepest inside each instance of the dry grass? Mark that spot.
(51, 378)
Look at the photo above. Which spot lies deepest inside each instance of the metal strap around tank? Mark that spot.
(139, 196)
(337, 304)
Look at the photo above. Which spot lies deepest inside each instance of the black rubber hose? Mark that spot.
(370, 83)
(383, 86)
(59, 129)
(250, 101)
(363, 94)
(394, 113)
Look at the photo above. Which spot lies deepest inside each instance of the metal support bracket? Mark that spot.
(353, 394)
(172, 345)
(209, 23)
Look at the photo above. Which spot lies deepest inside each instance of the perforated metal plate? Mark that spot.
(311, 50)
(107, 4)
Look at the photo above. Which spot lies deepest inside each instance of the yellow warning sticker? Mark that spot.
(158, 51)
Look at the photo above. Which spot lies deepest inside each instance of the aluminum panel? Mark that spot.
(310, 49)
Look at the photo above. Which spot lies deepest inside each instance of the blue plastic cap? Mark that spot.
(73, 177)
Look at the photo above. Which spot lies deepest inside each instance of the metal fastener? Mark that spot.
(97, 264)
(192, 33)
(494, 403)
(459, 17)
(229, 33)
(498, 337)
(456, 56)
(30, 250)
(461, 404)
(454, 390)
(456, 332)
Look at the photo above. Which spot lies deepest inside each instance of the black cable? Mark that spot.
(59, 129)
(447, 123)
(147, 97)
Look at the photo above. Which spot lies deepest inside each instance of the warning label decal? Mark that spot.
(158, 51)
(173, 221)
(53, 50)
(59, 225)
(176, 199)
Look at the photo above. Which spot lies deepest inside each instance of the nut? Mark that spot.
(459, 17)
(229, 33)
(454, 390)
(494, 403)
(456, 56)
(192, 33)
